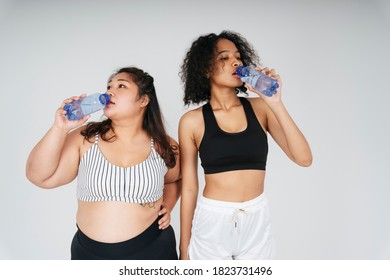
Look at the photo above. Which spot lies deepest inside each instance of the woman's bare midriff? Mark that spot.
(234, 186)
(112, 221)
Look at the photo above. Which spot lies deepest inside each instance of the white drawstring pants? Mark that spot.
(231, 230)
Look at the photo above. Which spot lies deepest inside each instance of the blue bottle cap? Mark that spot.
(239, 69)
(104, 98)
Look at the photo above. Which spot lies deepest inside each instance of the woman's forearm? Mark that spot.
(187, 208)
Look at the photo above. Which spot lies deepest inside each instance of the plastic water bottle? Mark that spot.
(258, 80)
(77, 109)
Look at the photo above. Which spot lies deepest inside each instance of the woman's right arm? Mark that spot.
(189, 166)
(54, 160)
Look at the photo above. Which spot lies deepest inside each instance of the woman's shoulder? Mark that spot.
(192, 115)
(191, 119)
(76, 133)
(75, 137)
(258, 104)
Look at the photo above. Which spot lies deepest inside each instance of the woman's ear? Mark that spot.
(144, 101)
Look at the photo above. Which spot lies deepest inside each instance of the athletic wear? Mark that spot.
(100, 180)
(231, 230)
(221, 151)
(152, 244)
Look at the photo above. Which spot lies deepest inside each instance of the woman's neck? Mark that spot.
(224, 101)
(128, 130)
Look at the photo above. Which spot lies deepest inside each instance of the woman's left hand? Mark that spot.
(165, 220)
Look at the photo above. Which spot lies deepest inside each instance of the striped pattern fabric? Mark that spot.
(100, 180)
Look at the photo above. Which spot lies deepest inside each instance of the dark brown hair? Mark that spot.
(199, 59)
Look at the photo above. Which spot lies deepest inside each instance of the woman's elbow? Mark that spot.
(43, 184)
(37, 183)
(30, 176)
(305, 161)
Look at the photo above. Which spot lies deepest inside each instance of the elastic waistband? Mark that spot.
(254, 204)
(120, 249)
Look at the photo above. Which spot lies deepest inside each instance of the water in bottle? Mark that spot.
(258, 80)
(77, 109)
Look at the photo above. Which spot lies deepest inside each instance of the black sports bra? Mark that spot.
(221, 151)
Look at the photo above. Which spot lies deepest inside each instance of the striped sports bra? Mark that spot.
(100, 180)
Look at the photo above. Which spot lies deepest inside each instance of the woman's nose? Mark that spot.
(236, 63)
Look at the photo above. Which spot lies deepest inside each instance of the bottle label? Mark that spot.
(252, 80)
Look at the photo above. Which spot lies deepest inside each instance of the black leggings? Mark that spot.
(152, 244)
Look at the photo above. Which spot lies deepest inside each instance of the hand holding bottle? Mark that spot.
(262, 81)
(86, 105)
(61, 120)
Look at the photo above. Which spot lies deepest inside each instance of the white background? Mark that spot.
(333, 57)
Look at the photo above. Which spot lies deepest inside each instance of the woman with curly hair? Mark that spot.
(127, 169)
(230, 220)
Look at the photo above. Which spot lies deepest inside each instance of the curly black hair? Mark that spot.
(199, 60)
(152, 122)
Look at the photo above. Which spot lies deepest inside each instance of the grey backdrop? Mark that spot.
(333, 57)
